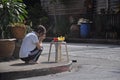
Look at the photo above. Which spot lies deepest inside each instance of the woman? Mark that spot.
(31, 47)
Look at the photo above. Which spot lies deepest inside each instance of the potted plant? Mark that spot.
(18, 30)
(11, 11)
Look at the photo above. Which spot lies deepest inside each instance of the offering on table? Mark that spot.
(61, 38)
(55, 39)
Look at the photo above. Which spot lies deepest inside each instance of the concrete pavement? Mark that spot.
(94, 62)
(15, 69)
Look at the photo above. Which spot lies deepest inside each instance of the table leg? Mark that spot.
(49, 52)
(56, 52)
(67, 52)
(59, 52)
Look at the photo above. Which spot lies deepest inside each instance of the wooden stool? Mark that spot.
(58, 50)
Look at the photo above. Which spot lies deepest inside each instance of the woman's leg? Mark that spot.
(33, 56)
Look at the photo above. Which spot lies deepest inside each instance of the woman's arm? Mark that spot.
(41, 38)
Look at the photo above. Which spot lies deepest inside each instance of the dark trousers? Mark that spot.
(35, 54)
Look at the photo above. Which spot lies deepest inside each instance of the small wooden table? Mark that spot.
(58, 53)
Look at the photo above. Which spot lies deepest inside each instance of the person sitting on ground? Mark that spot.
(31, 46)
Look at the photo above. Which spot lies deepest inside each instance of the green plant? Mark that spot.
(11, 11)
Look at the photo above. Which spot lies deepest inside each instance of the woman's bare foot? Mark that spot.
(32, 62)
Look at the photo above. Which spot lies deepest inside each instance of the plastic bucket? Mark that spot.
(84, 30)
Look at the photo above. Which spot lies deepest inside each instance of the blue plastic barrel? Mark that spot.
(84, 30)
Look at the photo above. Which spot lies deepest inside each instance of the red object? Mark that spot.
(55, 39)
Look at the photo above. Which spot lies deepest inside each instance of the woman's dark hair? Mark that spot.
(40, 29)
